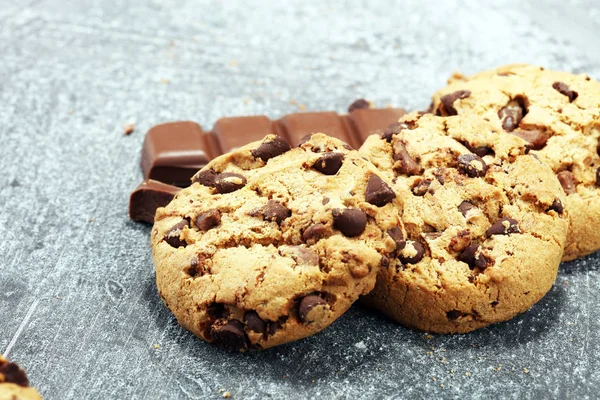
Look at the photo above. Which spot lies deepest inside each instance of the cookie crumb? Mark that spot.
(433, 378)
(233, 63)
(428, 337)
(128, 129)
(467, 373)
(165, 81)
(302, 107)
(226, 395)
(70, 111)
(156, 346)
(525, 370)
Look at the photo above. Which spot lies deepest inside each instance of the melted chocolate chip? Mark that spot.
(307, 304)
(412, 252)
(567, 181)
(351, 221)
(359, 104)
(564, 89)
(205, 177)
(254, 322)
(329, 163)
(270, 149)
(378, 192)
(503, 226)
(536, 138)
(396, 234)
(465, 207)
(557, 206)
(512, 114)
(471, 165)
(172, 237)
(229, 334)
(12, 373)
(394, 129)
(208, 219)
(275, 211)
(315, 231)
(474, 257)
(407, 164)
(449, 99)
(481, 151)
(228, 182)
(422, 187)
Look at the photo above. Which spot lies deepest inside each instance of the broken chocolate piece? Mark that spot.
(448, 100)
(351, 221)
(503, 226)
(329, 163)
(148, 197)
(567, 181)
(378, 192)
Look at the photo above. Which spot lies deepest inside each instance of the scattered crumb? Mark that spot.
(525, 370)
(226, 395)
(429, 353)
(165, 81)
(389, 105)
(566, 282)
(302, 106)
(246, 100)
(442, 385)
(221, 390)
(128, 129)
(171, 43)
(293, 102)
(360, 345)
(444, 350)
(91, 220)
(444, 360)
(70, 111)
(284, 376)
(428, 337)
(156, 346)
(58, 297)
(233, 63)
(433, 378)
(467, 373)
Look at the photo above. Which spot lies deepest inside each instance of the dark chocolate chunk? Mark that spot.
(315, 231)
(394, 129)
(228, 182)
(372, 121)
(173, 235)
(358, 105)
(481, 151)
(408, 166)
(465, 207)
(536, 138)
(307, 304)
(503, 226)
(564, 89)
(468, 255)
(453, 315)
(275, 211)
(217, 311)
(511, 115)
(412, 252)
(329, 163)
(273, 327)
(254, 322)
(598, 177)
(351, 221)
(471, 165)
(12, 373)
(378, 192)
(557, 206)
(598, 147)
(149, 196)
(304, 139)
(449, 99)
(396, 234)
(567, 181)
(205, 177)
(208, 219)
(229, 334)
(270, 149)
(422, 187)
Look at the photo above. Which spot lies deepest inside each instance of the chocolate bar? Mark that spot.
(175, 151)
(149, 196)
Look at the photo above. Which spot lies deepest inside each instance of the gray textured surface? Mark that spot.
(78, 305)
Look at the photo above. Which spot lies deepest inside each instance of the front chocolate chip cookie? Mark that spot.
(484, 224)
(557, 115)
(272, 244)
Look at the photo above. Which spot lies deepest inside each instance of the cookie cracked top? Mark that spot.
(557, 115)
(271, 244)
(484, 223)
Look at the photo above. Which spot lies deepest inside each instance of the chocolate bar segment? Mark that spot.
(149, 196)
(296, 126)
(369, 121)
(175, 151)
(235, 132)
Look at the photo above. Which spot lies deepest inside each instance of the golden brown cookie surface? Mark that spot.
(272, 244)
(484, 224)
(558, 116)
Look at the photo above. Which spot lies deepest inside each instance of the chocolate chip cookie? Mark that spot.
(14, 384)
(272, 244)
(557, 114)
(484, 224)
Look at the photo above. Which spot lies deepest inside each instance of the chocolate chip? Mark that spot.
(474, 257)
(503, 226)
(512, 114)
(229, 334)
(449, 99)
(408, 166)
(172, 236)
(329, 163)
(392, 130)
(598, 177)
(567, 181)
(412, 252)
(396, 234)
(385, 262)
(270, 149)
(304, 139)
(273, 327)
(359, 104)
(452, 315)
(557, 206)
(598, 147)
(315, 231)
(351, 221)
(481, 151)
(564, 89)
(465, 207)
(422, 187)
(217, 310)
(197, 267)
(536, 138)
(471, 165)
(254, 322)
(205, 177)
(378, 192)
(228, 182)
(307, 304)
(12, 373)
(208, 219)
(275, 211)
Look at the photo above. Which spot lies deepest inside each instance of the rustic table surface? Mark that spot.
(78, 304)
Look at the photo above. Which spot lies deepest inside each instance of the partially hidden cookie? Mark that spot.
(484, 224)
(558, 115)
(272, 244)
(14, 384)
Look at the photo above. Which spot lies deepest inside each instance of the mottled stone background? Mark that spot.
(78, 305)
